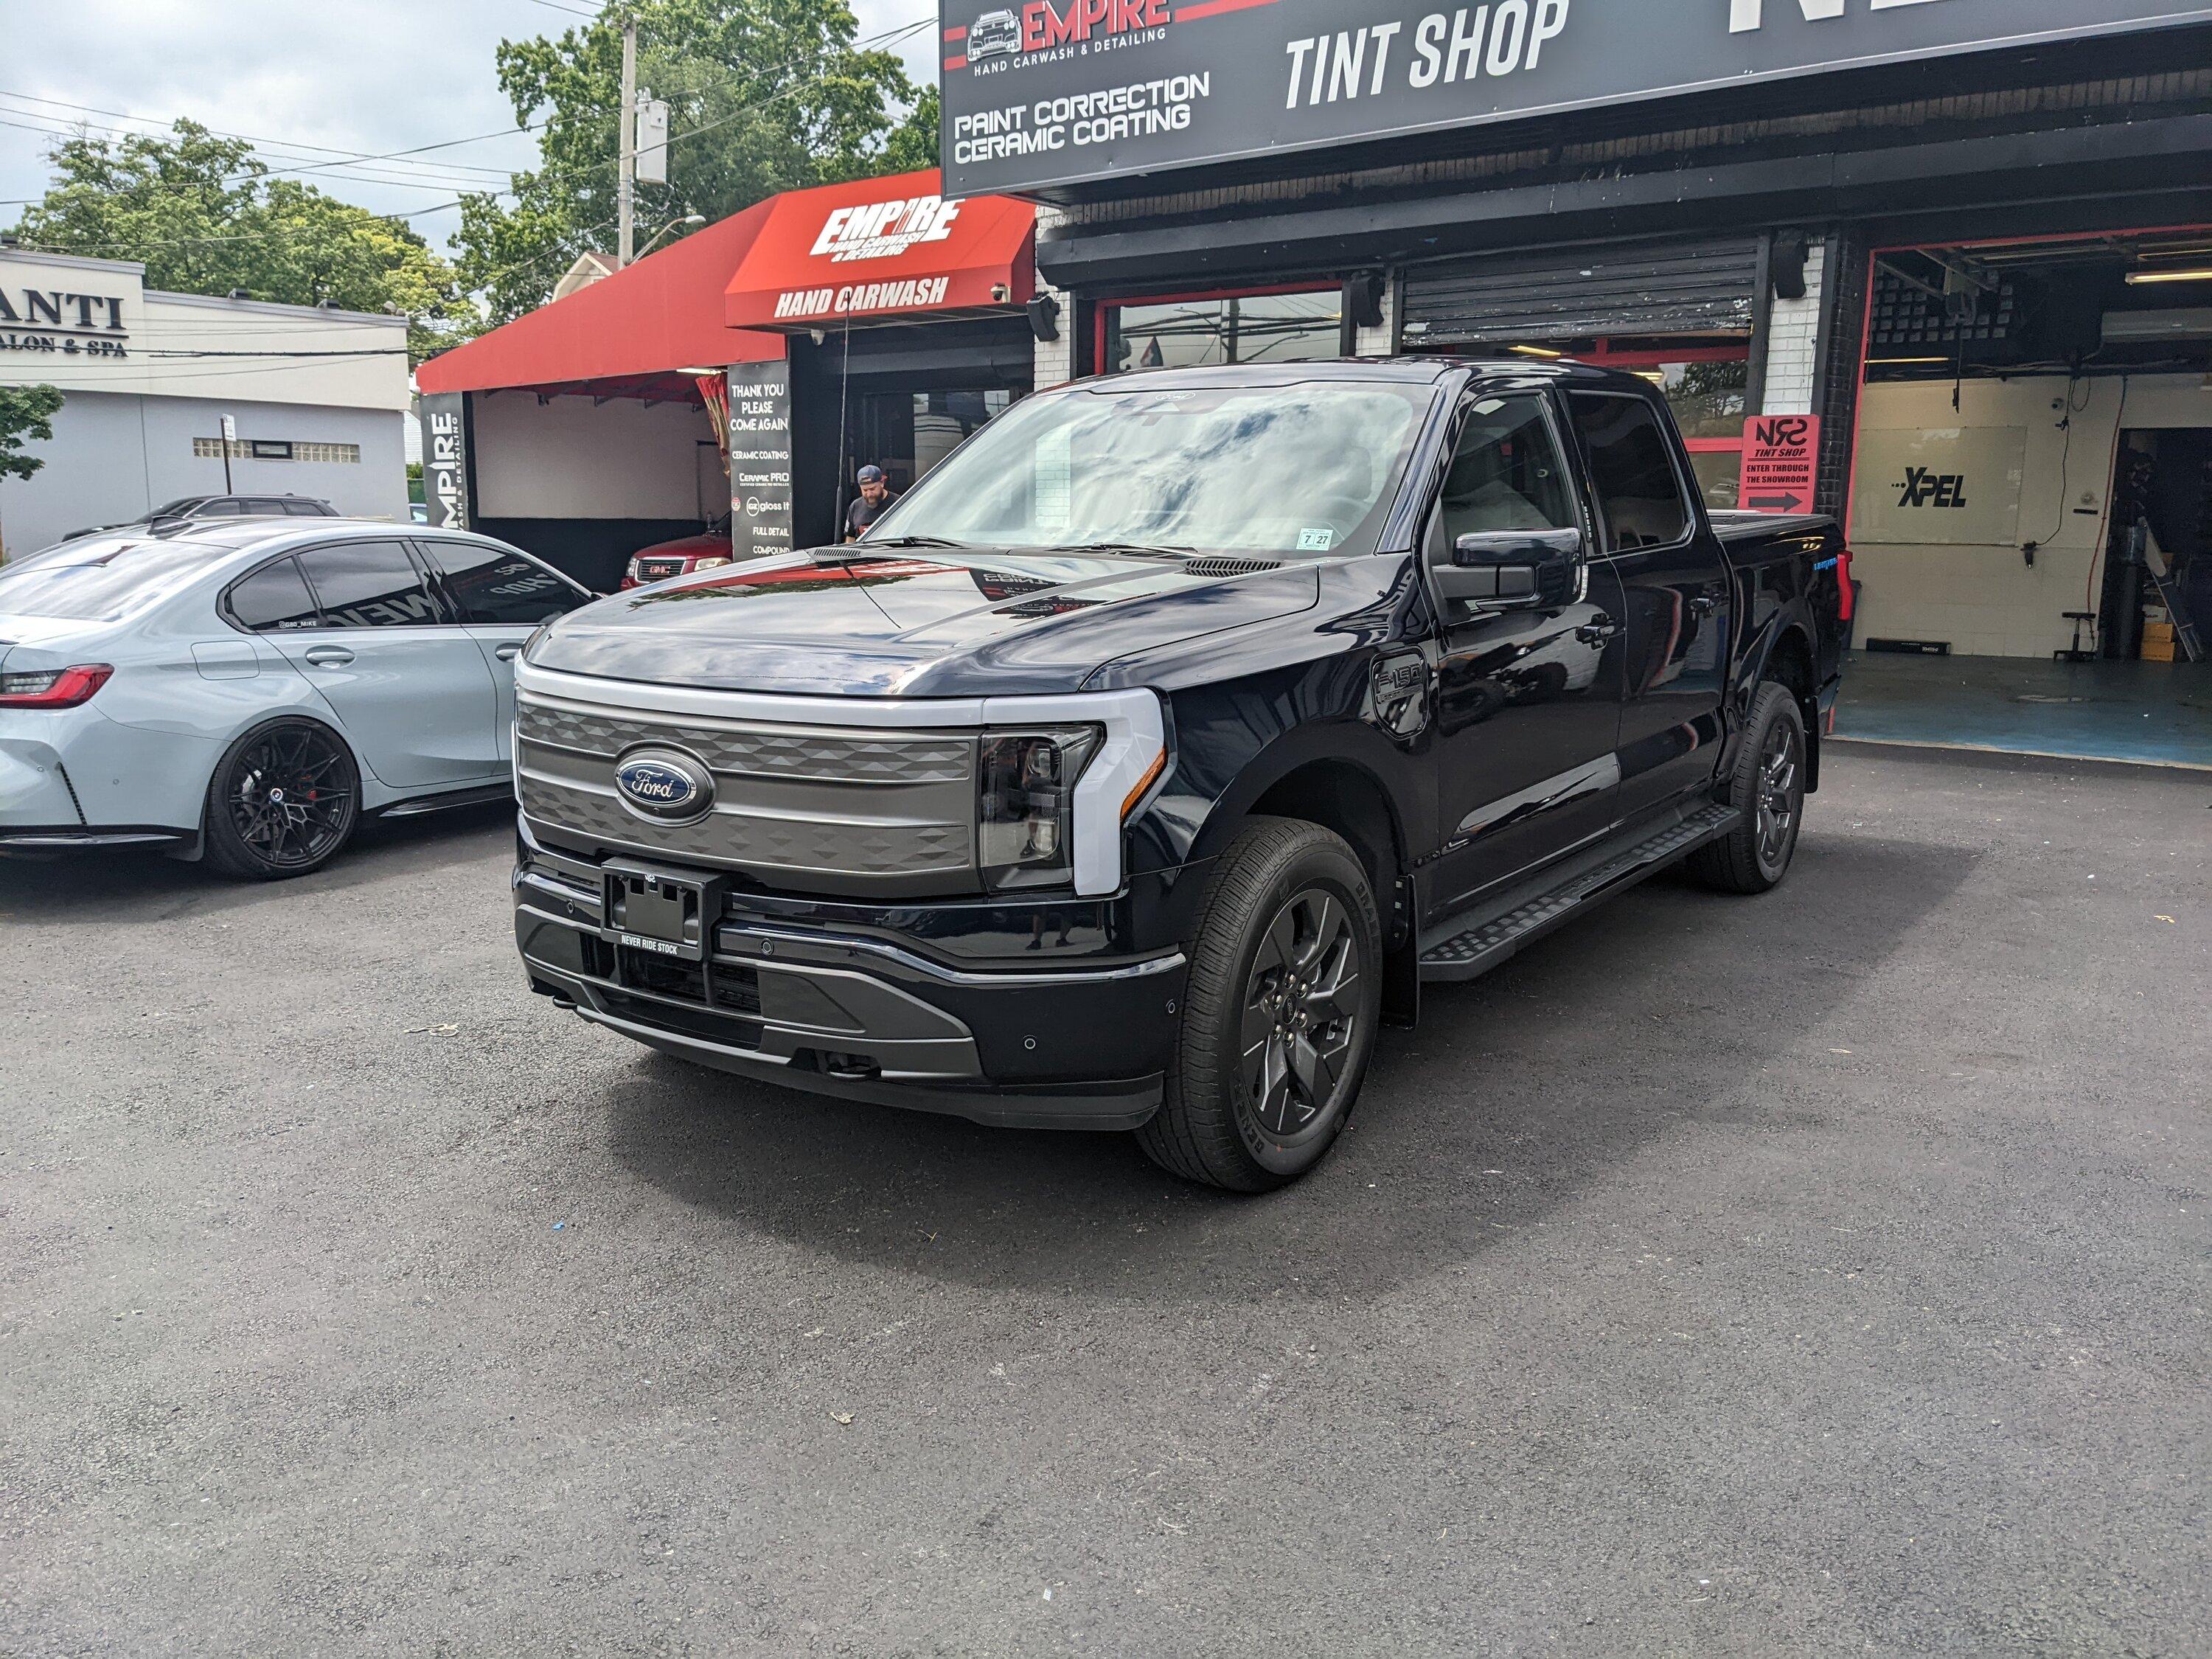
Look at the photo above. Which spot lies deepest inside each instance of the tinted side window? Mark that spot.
(498, 584)
(369, 585)
(1506, 473)
(1640, 496)
(273, 598)
(306, 509)
(262, 506)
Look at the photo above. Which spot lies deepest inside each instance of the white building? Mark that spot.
(319, 398)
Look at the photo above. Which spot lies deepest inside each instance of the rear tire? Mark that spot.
(283, 801)
(1767, 786)
(1280, 1013)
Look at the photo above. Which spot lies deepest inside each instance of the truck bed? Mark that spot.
(1733, 525)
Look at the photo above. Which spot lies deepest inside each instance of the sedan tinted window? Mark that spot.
(369, 585)
(499, 585)
(274, 598)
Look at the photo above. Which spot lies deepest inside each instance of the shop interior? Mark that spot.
(584, 475)
(898, 395)
(2031, 512)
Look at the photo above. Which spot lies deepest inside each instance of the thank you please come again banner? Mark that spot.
(1042, 93)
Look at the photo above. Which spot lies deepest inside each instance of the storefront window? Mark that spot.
(908, 432)
(1257, 328)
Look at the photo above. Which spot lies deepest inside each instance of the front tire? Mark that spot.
(283, 801)
(1768, 788)
(1280, 1016)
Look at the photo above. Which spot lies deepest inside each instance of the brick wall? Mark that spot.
(1055, 358)
(1837, 368)
(1793, 342)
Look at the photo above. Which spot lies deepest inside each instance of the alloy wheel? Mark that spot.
(1779, 765)
(291, 798)
(1302, 1013)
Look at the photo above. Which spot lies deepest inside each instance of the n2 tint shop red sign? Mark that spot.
(1045, 93)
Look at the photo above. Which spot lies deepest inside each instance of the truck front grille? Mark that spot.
(816, 808)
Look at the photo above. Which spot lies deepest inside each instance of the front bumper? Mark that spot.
(861, 1006)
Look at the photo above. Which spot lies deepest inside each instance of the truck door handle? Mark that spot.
(1597, 631)
(1705, 604)
(508, 652)
(328, 656)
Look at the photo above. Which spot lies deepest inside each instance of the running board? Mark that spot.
(422, 804)
(1476, 950)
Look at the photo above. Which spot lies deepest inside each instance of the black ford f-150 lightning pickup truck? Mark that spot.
(1152, 753)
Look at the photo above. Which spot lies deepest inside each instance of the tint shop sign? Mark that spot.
(1055, 92)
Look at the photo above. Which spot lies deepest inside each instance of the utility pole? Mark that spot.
(626, 191)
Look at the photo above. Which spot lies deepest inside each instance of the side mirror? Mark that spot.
(1523, 568)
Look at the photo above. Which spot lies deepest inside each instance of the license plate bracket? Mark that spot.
(663, 913)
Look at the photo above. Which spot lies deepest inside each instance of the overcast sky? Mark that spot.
(357, 76)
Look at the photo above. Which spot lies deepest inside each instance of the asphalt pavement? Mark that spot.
(1820, 1274)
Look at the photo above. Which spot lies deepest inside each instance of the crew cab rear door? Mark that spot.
(1529, 688)
(1677, 597)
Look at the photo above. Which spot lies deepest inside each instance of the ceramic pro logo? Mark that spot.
(885, 230)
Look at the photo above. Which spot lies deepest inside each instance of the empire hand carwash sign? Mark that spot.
(1059, 92)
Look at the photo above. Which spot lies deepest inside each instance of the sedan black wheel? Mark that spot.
(1279, 1014)
(283, 801)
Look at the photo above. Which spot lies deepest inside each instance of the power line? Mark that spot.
(59, 129)
(300, 145)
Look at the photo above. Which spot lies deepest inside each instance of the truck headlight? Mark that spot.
(1025, 803)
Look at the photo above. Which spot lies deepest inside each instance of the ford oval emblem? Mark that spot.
(666, 785)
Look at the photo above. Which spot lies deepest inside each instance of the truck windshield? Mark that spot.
(1307, 469)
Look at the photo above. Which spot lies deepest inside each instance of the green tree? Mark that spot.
(27, 414)
(201, 213)
(913, 144)
(765, 95)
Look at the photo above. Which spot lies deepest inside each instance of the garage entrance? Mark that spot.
(2031, 508)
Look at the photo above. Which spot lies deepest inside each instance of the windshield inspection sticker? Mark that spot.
(1317, 541)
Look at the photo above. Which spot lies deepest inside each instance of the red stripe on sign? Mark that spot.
(956, 32)
(951, 63)
(1215, 7)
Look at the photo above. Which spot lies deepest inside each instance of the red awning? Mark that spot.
(879, 249)
(634, 328)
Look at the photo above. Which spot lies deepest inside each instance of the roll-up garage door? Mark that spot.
(1624, 288)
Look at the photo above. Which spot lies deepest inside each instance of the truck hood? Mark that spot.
(978, 622)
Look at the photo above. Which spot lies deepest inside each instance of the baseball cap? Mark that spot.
(872, 475)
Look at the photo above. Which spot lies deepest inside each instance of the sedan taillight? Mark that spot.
(53, 688)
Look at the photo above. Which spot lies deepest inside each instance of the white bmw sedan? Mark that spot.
(244, 691)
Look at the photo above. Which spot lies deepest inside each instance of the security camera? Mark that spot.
(1001, 293)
